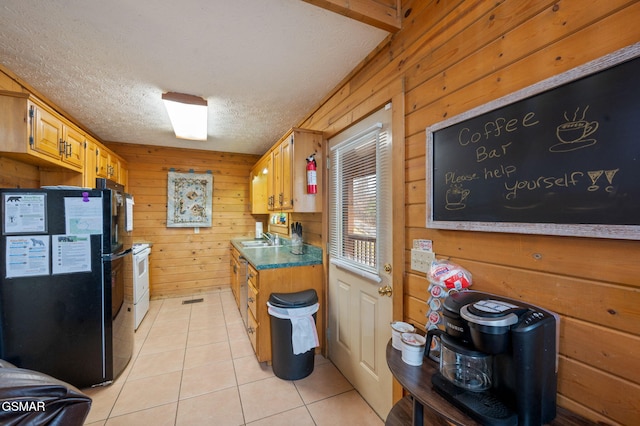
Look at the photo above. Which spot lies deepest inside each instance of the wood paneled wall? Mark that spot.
(14, 174)
(311, 227)
(184, 262)
(453, 56)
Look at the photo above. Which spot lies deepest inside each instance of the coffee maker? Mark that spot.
(498, 359)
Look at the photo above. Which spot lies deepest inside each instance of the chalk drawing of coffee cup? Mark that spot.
(574, 133)
(456, 197)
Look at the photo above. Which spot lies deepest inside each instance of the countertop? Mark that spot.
(272, 257)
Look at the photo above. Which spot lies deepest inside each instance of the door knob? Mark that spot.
(385, 291)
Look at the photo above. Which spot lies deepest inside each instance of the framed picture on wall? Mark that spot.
(189, 199)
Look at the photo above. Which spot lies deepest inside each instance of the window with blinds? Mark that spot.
(356, 180)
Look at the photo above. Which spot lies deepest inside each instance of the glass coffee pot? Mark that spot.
(460, 364)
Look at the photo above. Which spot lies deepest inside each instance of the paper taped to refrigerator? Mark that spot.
(83, 216)
(24, 212)
(27, 256)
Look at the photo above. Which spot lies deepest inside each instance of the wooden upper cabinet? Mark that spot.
(56, 138)
(271, 197)
(278, 179)
(47, 133)
(103, 163)
(258, 187)
(110, 166)
(287, 179)
(90, 163)
(114, 168)
(74, 144)
(33, 132)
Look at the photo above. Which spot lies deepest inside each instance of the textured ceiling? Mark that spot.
(261, 64)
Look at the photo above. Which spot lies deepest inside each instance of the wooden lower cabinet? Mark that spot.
(252, 331)
(280, 280)
(235, 274)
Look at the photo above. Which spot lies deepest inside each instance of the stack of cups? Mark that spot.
(397, 328)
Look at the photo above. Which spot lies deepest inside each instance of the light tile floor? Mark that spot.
(193, 365)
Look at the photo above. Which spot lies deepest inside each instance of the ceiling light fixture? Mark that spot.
(188, 115)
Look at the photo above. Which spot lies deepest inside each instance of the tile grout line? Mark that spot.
(235, 373)
(184, 356)
(129, 368)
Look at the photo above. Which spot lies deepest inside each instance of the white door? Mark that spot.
(360, 249)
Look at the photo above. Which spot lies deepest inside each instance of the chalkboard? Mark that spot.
(561, 157)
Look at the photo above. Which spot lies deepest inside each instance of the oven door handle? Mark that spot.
(115, 256)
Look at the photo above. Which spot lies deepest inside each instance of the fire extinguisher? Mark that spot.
(312, 177)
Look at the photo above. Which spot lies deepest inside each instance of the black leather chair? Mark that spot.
(30, 398)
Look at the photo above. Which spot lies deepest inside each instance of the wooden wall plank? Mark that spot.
(611, 351)
(606, 261)
(607, 395)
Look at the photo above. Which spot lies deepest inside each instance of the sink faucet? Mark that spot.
(268, 237)
(273, 241)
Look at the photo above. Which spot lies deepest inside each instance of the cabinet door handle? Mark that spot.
(32, 124)
(62, 147)
(281, 198)
(251, 330)
(250, 300)
(68, 149)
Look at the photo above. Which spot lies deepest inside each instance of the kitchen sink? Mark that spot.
(255, 244)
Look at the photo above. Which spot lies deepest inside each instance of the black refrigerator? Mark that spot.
(65, 299)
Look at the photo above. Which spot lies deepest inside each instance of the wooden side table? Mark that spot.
(424, 405)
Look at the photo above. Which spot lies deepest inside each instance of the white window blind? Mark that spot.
(359, 175)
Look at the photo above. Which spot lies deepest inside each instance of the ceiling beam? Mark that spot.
(380, 14)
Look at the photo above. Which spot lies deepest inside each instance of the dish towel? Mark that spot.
(304, 335)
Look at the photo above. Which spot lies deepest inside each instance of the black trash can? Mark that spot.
(285, 363)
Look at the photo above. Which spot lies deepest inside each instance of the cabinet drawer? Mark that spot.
(252, 331)
(253, 278)
(252, 300)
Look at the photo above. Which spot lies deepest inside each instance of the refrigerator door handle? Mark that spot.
(118, 255)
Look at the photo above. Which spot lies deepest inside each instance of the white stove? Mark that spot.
(140, 281)
(138, 247)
